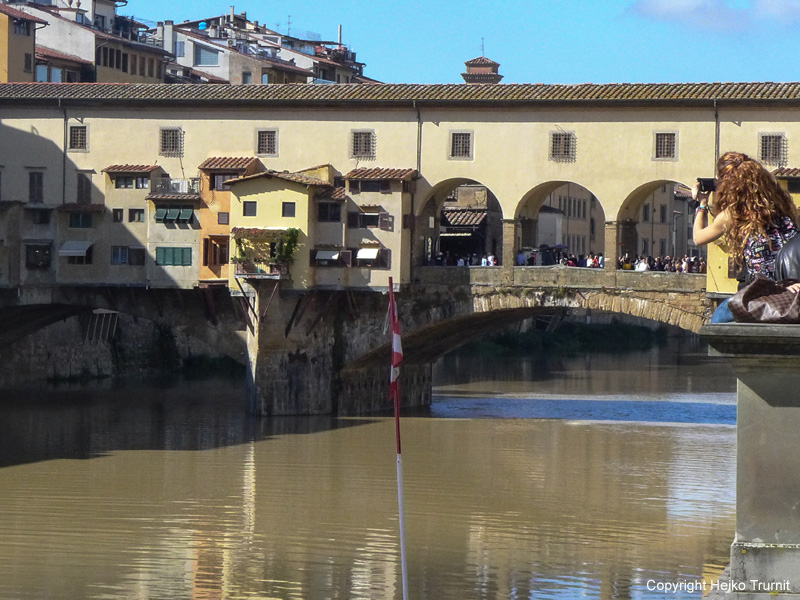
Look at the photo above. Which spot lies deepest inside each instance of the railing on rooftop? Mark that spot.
(167, 185)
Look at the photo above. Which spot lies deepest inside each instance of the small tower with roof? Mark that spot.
(482, 70)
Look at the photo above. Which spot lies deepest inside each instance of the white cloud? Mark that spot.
(721, 15)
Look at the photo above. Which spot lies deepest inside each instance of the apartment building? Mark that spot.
(17, 44)
(90, 43)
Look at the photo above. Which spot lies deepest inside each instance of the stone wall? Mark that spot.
(61, 352)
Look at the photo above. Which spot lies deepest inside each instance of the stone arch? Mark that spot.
(472, 225)
(493, 310)
(654, 219)
(580, 208)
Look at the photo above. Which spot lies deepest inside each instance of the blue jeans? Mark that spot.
(723, 313)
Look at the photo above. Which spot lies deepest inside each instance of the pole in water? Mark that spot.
(394, 395)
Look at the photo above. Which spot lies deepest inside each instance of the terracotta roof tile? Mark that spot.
(787, 172)
(75, 207)
(332, 193)
(285, 175)
(18, 14)
(381, 173)
(45, 52)
(398, 94)
(481, 61)
(228, 163)
(131, 168)
(165, 197)
(462, 217)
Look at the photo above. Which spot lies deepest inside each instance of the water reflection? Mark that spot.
(185, 497)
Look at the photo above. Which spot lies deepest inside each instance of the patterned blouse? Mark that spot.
(760, 251)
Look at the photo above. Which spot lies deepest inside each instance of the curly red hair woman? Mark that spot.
(752, 213)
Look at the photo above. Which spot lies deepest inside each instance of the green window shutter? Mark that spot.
(187, 257)
(159, 256)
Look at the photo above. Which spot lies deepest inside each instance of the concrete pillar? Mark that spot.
(508, 258)
(620, 238)
(611, 249)
(765, 554)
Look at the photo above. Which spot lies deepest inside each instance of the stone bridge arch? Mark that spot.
(482, 212)
(648, 203)
(576, 204)
(208, 315)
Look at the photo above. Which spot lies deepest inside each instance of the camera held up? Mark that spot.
(707, 184)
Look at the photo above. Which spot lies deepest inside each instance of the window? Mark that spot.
(134, 62)
(215, 251)
(666, 146)
(22, 27)
(267, 143)
(83, 259)
(100, 22)
(247, 77)
(119, 255)
(78, 137)
(223, 218)
(118, 215)
(563, 146)
(645, 247)
(174, 257)
(374, 258)
(171, 141)
(123, 183)
(363, 145)
(793, 186)
(40, 217)
(646, 213)
(663, 213)
(27, 64)
(124, 62)
(151, 67)
(370, 185)
(135, 215)
(37, 256)
(329, 212)
(662, 247)
(142, 183)
(80, 220)
(174, 214)
(36, 187)
(377, 220)
(218, 180)
(136, 257)
(205, 57)
(461, 144)
(249, 208)
(288, 209)
(772, 149)
(180, 49)
(84, 195)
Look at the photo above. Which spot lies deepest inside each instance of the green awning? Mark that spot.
(172, 214)
(186, 214)
(160, 214)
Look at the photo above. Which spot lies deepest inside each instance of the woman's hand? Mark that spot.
(701, 197)
(795, 287)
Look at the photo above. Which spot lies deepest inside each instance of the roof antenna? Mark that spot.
(483, 52)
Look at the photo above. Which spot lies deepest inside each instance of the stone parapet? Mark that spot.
(765, 554)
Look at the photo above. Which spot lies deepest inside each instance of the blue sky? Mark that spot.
(537, 41)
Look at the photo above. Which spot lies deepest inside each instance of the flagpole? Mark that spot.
(394, 394)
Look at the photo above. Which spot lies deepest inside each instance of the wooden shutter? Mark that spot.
(385, 221)
(353, 220)
(346, 257)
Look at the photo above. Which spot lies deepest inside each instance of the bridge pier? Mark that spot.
(765, 554)
(301, 349)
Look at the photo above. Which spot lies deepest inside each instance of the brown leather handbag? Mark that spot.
(766, 301)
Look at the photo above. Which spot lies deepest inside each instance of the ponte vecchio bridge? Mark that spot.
(416, 144)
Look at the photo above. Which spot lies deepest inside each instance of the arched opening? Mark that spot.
(460, 224)
(655, 223)
(561, 219)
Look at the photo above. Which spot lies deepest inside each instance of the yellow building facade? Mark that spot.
(411, 145)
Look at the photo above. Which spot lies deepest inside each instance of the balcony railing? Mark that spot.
(166, 185)
(259, 270)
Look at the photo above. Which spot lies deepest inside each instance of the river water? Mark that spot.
(593, 477)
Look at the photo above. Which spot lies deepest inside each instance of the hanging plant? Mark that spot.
(286, 245)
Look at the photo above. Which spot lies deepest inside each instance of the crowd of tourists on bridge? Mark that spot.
(687, 264)
(549, 257)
